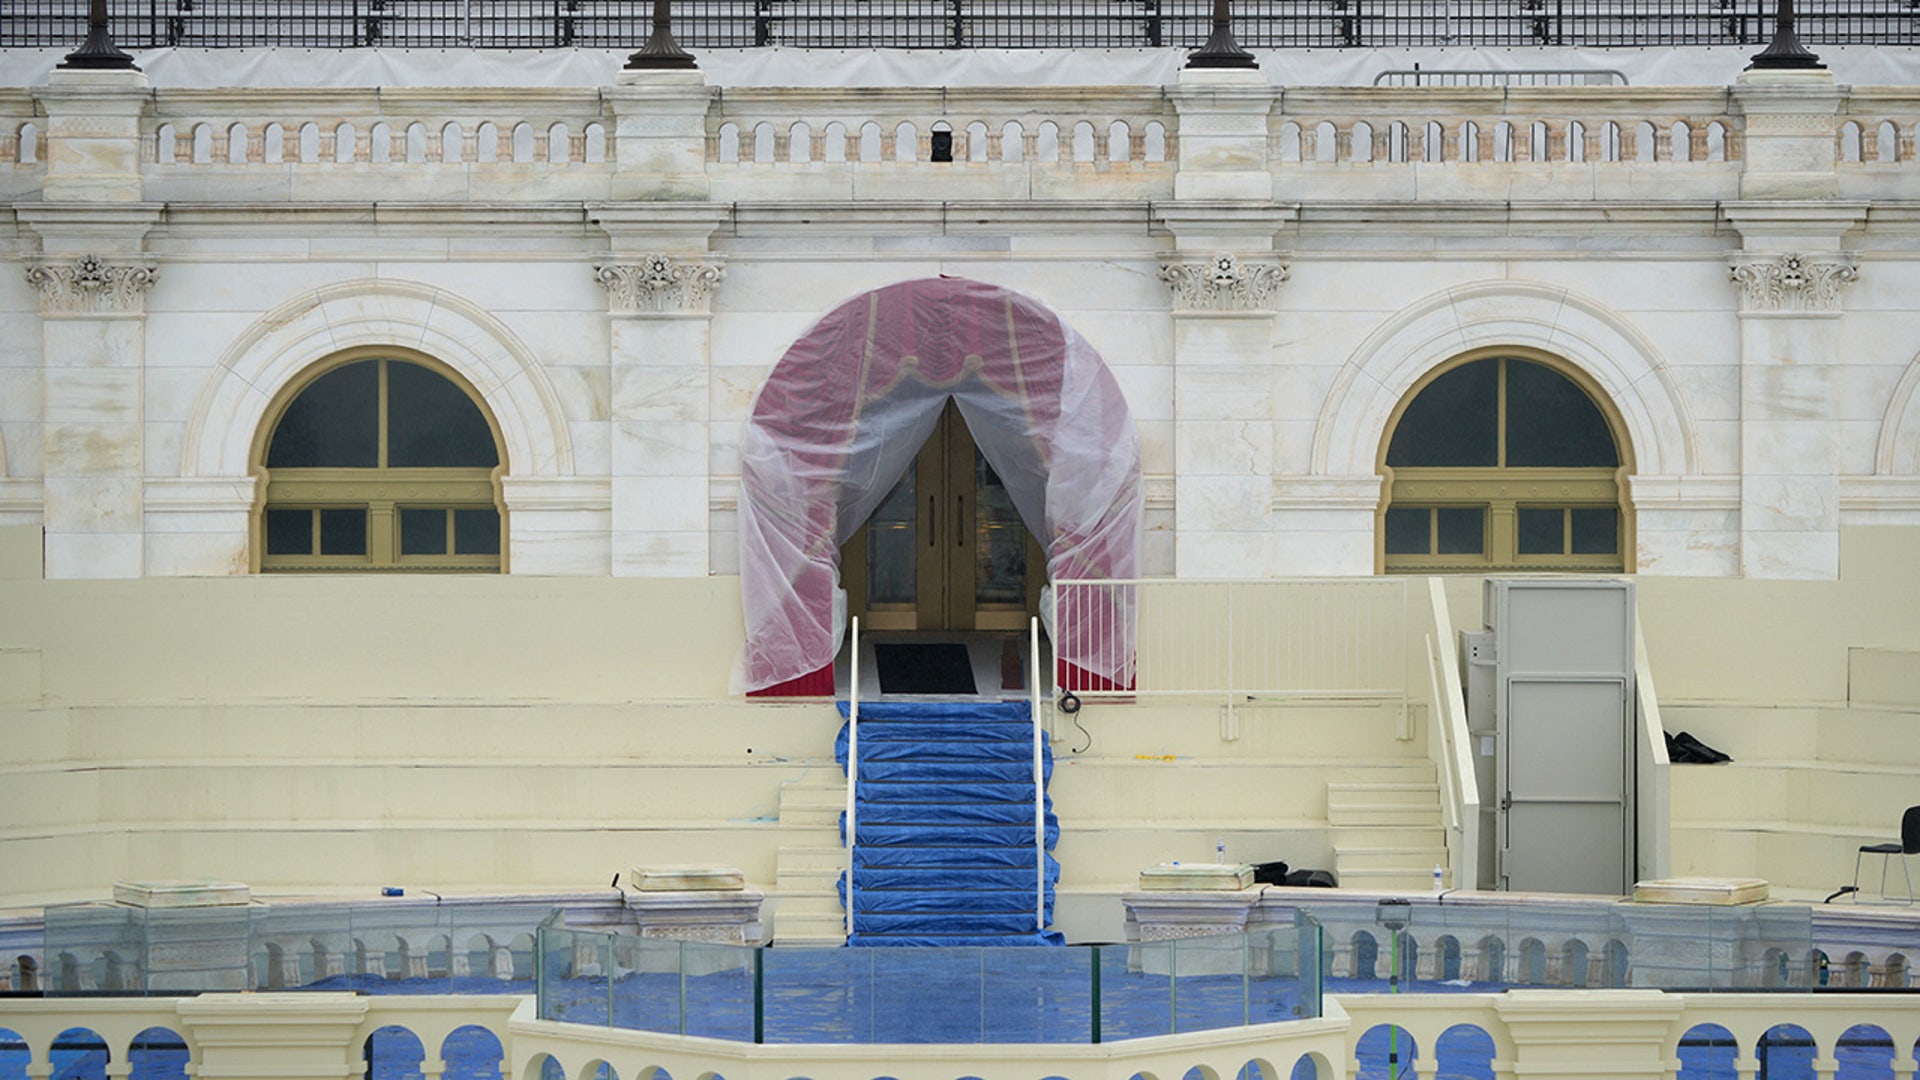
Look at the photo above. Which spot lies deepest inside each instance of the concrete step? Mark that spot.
(1788, 855)
(1114, 855)
(814, 795)
(1842, 797)
(1868, 734)
(1426, 834)
(1274, 730)
(1408, 859)
(813, 852)
(802, 927)
(1386, 879)
(805, 882)
(1179, 789)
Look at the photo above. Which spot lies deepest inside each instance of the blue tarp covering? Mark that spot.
(946, 851)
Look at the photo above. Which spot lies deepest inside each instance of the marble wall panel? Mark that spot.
(502, 285)
(1326, 278)
(94, 504)
(193, 343)
(93, 555)
(221, 553)
(21, 390)
(1317, 543)
(204, 282)
(1216, 554)
(800, 290)
(666, 504)
(1776, 504)
(660, 554)
(592, 447)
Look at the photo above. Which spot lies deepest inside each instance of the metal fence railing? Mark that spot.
(948, 24)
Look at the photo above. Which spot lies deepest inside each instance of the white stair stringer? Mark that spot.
(1388, 834)
(809, 864)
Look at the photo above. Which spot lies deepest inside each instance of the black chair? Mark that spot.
(1909, 845)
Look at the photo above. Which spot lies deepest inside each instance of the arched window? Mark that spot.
(380, 462)
(1502, 461)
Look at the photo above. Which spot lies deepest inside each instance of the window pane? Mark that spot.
(1551, 422)
(333, 422)
(1454, 421)
(1461, 530)
(343, 532)
(1596, 531)
(476, 532)
(423, 532)
(1542, 530)
(999, 542)
(1407, 530)
(432, 422)
(289, 532)
(892, 545)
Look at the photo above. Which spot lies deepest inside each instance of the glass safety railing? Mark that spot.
(1077, 994)
(384, 946)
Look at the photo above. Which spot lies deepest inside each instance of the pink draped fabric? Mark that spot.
(841, 417)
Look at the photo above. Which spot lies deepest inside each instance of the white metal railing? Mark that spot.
(853, 755)
(1450, 743)
(1039, 784)
(1234, 639)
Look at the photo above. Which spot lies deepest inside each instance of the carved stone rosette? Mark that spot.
(90, 284)
(1792, 282)
(1223, 283)
(660, 284)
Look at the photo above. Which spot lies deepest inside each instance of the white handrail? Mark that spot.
(853, 757)
(1450, 743)
(1039, 786)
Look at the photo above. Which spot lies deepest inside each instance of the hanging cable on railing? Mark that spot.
(1039, 786)
(853, 755)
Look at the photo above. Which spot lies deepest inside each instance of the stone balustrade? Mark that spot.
(797, 143)
(1528, 1033)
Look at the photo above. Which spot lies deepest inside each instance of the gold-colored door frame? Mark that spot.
(948, 527)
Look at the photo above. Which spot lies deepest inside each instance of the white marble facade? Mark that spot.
(1267, 271)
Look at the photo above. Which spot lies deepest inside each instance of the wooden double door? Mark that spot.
(946, 549)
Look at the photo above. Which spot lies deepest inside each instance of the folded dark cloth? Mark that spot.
(1684, 749)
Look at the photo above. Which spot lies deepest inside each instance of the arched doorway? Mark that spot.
(846, 411)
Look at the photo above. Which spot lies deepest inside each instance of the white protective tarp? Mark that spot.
(183, 67)
(842, 416)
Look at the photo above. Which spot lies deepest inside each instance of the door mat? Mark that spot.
(935, 667)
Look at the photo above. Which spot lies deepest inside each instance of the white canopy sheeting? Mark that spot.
(842, 416)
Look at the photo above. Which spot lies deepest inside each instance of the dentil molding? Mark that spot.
(1223, 283)
(1792, 283)
(91, 285)
(660, 284)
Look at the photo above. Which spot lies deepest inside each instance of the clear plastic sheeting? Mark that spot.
(842, 416)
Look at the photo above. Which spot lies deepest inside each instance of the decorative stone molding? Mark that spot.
(90, 284)
(1223, 283)
(660, 284)
(1792, 282)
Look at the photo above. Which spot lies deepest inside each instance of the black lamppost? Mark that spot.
(1784, 52)
(98, 52)
(1221, 51)
(661, 52)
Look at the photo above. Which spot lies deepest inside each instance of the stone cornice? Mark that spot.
(91, 285)
(657, 284)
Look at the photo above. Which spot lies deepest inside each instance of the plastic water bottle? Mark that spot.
(1220, 851)
(1439, 878)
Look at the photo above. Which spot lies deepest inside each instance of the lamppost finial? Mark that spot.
(661, 52)
(98, 52)
(1221, 51)
(1784, 52)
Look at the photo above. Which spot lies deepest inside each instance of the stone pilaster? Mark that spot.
(1790, 278)
(93, 284)
(660, 281)
(1224, 279)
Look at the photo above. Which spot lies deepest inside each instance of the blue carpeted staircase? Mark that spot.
(945, 852)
